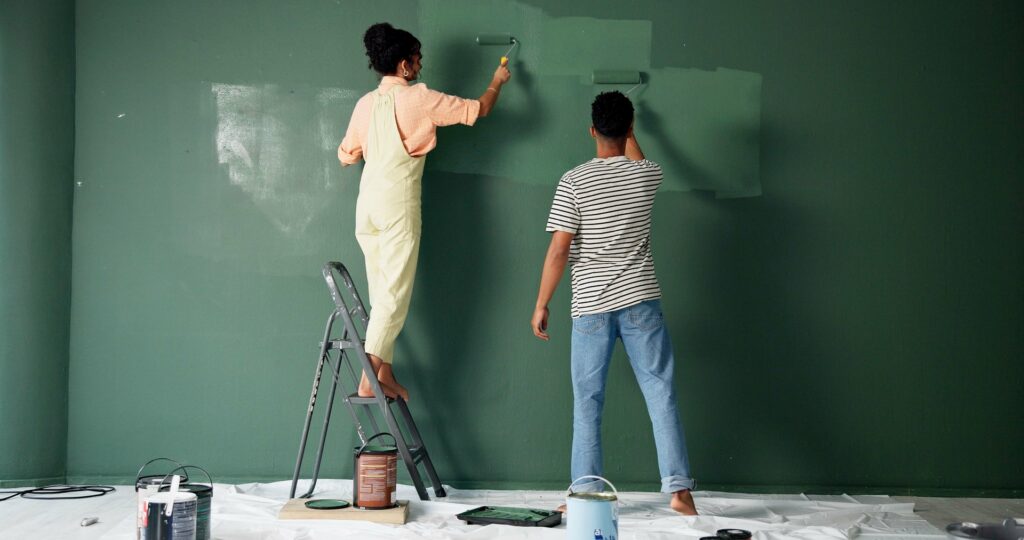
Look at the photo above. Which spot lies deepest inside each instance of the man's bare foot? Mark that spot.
(682, 502)
(387, 377)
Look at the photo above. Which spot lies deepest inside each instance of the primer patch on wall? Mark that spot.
(702, 126)
(278, 145)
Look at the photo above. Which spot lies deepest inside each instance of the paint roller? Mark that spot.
(616, 76)
(499, 39)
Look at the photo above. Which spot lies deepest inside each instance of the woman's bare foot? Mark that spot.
(387, 378)
(682, 502)
(365, 390)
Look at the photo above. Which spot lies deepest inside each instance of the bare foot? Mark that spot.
(387, 377)
(682, 502)
(561, 508)
(365, 390)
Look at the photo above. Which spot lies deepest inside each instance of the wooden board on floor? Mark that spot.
(296, 509)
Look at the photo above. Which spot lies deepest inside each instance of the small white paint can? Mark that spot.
(592, 515)
(146, 485)
(175, 523)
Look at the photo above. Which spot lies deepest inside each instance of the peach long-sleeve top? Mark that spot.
(418, 110)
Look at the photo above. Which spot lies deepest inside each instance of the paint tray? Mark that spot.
(504, 515)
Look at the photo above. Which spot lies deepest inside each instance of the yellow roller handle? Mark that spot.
(504, 60)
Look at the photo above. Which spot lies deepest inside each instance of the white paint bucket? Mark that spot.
(149, 485)
(175, 523)
(592, 515)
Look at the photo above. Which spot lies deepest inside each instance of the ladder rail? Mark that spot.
(312, 401)
(327, 422)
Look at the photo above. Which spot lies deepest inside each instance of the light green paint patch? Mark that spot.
(703, 127)
(580, 45)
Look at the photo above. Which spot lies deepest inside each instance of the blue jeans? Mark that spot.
(643, 332)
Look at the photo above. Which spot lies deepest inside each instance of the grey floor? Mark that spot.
(941, 511)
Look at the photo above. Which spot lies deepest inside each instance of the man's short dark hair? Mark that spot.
(612, 114)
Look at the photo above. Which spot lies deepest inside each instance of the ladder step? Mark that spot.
(356, 399)
(338, 344)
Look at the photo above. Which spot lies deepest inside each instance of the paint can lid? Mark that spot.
(164, 497)
(376, 449)
(594, 496)
(156, 480)
(327, 504)
(202, 490)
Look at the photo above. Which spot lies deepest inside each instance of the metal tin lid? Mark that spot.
(594, 496)
(327, 504)
(377, 449)
(200, 489)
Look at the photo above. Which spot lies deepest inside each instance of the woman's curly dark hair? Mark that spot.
(386, 46)
(612, 114)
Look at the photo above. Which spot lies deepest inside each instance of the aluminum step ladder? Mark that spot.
(334, 352)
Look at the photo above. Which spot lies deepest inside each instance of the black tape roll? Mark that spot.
(733, 534)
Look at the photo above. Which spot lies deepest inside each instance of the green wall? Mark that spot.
(838, 241)
(37, 68)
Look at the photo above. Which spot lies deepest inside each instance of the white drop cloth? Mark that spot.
(249, 512)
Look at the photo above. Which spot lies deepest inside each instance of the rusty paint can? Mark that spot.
(375, 475)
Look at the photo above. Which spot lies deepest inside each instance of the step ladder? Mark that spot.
(333, 353)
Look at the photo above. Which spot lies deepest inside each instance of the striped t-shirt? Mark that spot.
(606, 204)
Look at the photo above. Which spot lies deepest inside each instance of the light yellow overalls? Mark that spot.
(388, 224)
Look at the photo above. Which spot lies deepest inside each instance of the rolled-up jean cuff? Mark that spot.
(672, 484)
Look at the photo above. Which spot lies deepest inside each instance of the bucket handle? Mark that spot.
(143, 467)
(363, 447)
(182, 469)
(569, 491)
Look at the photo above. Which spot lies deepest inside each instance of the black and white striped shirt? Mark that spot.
(606, 204)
